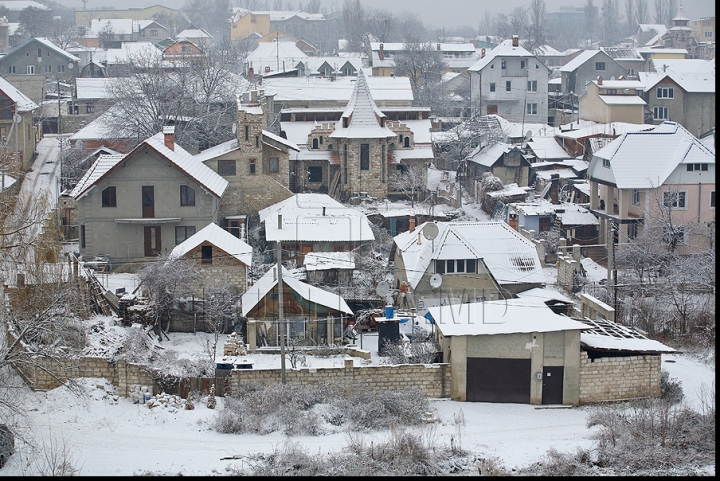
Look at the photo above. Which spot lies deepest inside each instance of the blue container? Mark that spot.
(389, 312)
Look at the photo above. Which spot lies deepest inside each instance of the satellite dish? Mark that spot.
(430, 231)
(435, 281)
(16, 118)
(382, 289)
(234, 128)
(71, 65)
(528, 134)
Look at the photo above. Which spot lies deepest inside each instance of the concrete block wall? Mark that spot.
(434, 380)
(539, 245)
(618, 378)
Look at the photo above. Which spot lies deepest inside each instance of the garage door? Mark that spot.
(498, 380)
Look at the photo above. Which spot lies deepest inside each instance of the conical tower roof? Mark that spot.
(362, 118)
(680, 17)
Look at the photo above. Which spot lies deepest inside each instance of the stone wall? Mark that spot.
(434, 380)
(567, 265)
(539, 245)
(618, 378)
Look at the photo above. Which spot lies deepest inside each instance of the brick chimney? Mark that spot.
(513, 221)
(412, 223)
(169, 133)
(381, 53)
(600, 80)
(438, 47)
(515, 40)
(482, 53)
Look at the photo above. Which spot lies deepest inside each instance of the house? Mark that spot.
(182, 49)
(39, 56)
(255, 163)
(586, 67)
(17, 131)
(640, 171)
(511, 82)
(649, 34)
(103, 132)
(510, 351)
(152, 31)
(112, 32)
(572, 222)
(457, 56)
(245, 22)
(312, 316)
(274, 57)
(576, 137)
(607, 101)
(194, 35)
(682, 96)
(330, 268)
(278, 36)
(629, 58)
(91, 96)
(521, 351)
(307, 223)
(510, 163)
(219, 257)
(554, 58)
(133, 207)
(93, 70)
(84, 17)
(464, 262)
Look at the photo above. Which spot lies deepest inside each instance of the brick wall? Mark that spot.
(225, 269)
(432, 379)
(617, 378)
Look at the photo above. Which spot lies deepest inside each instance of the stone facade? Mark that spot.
(224, 269)
(434, 380)
(619, 378)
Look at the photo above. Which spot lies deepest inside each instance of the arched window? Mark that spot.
(407, 141)
(315, 143)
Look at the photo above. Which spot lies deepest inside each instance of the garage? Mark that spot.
(498, 380)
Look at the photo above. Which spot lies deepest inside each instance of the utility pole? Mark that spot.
(59, 126)
(611, 271)
(281, 321)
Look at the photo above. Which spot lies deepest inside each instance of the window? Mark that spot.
(712, 199)
(187, 195)
(185, 49)
(606, 163)
(636, 197)
(522, 63)
(39, 52)
(253, 162)
(31, 69)
(183, 232)
(708, 34)
(632, 231)
(665, 93)
(492, 87)
(108, 197)
(691, 167)
(344, 166)
(503, 65)
(364, 156)
(599, 65)
(661, 113)
(257, 141)
(456, 266)
(508, 86)
(315, 144)
(274, 164)
(247, 133)
(531, 109)
(153, 33)
(89, 107)
(47, 68)
(206, 254)
(675, 200)
(675, 236)
(226, 167)
(532, 86)
(82, 236)
(315, 173)
(11, 69)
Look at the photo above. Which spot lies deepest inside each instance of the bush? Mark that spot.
(670, 388)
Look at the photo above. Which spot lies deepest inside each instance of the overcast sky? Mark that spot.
(436, 13)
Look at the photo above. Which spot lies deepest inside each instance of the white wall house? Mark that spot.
(511, 82)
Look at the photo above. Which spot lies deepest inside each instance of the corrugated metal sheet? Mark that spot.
(218, 237)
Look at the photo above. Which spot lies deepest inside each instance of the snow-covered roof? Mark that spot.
(105, 127)
(92, 88)
(362, 119)
(218, 150)
(424, 152)
(194, 33)
(118, 26)
(319, 89)
(182, 159)
(20, 5)
(574, 214)
(510, 190)
(622, 100)
(280, 140)
(321, 261)
(509, 316)
(644, 160)
(583, 57)
(136, 50)
(509, 256)
(683, 66)
(48, 44)
(7, 181)
(315, 218)
(505, 49)
(612, 129)
(312, 294)
(337, 63)
(541, 207)
(488, 155)
(547, 148)
(690, 82)
(605, 335)
(277, 55)
(21, 101)
(544, 294)
(218, 237)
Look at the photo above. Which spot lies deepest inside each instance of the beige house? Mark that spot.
(17, 133)
(639, 171)
(220, 258)
(608, 101)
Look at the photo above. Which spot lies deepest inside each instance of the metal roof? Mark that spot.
(605, 335)
(218, 237)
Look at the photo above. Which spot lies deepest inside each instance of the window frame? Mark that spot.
(662, 109)
(253, 166)
(636, 197)
(492, 86)
(665, 93)
(274, 165)
(532, 86)
(600, 66)
(313, 174)
(508, 85)
(187, 196)
(227, 167)
(679, 202)
(109, 197)
(187, 232)
(531, 109)
(364, 156)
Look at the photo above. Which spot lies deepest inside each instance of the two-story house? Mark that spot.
(17, 134)
(586, 67)
(133, 207)
(39, 56)
(510, 82)
(638, 172)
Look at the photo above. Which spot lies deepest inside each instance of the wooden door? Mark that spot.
(153, 241)
(148, 201)
(552, 384)
(492, 109)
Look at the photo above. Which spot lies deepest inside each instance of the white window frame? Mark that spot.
(636, 197)
(532, 86)
(531, 109)
(30, 69)
(606, 163)
(665, 93)
(676, 200)
(663, 111)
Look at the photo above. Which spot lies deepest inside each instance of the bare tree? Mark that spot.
(218, 309)
(166, 279)
(537, 30)
(411, 181)
(610, 20)
(518, 20)
(642, 14)
(630, 12)
(424, 66)
(353, 15)
(591, 20)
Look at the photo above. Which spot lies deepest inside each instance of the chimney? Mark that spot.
(323, 211)
(438, 47)
(251, 75)
(600, 80)
(169, 133)
(412, 223)
(482, 53)
(381, 53)
(513, 221)
(515, 41)
(279, 224)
